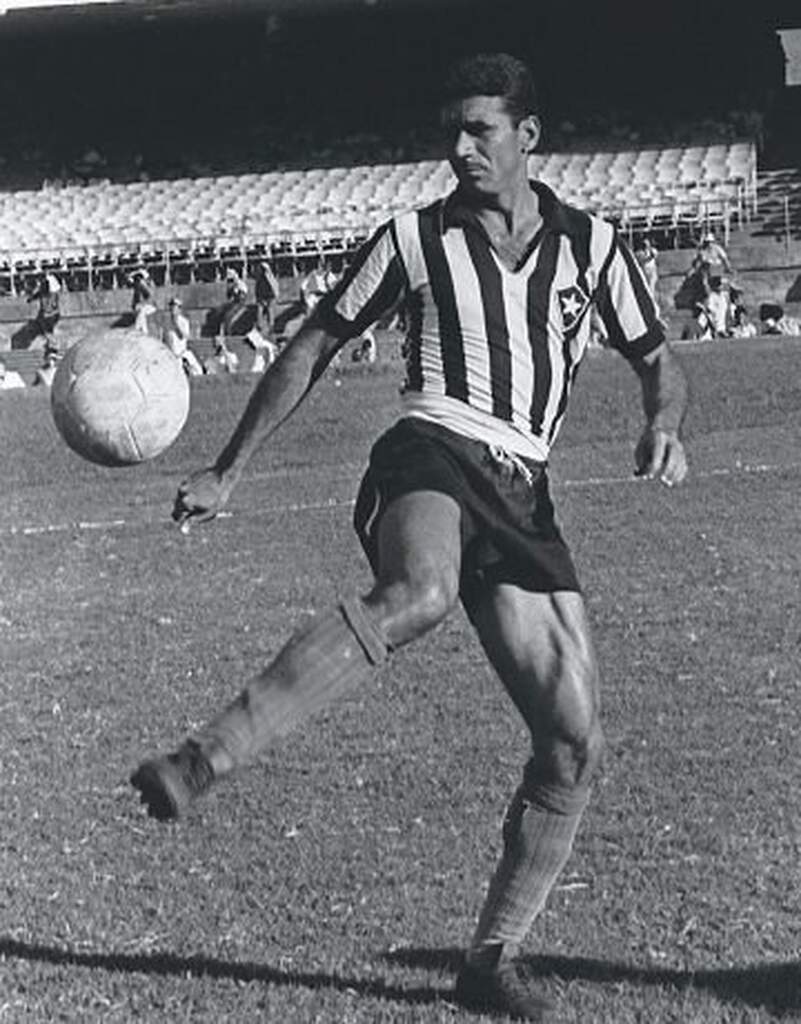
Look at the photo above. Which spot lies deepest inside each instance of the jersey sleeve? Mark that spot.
(626, 305)
(369, 288)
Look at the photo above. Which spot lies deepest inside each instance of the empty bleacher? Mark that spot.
(94, 231)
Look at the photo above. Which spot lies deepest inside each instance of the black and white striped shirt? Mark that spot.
(493, 352)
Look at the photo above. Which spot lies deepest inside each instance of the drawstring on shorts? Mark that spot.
(510, 463)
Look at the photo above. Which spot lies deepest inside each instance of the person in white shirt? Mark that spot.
(321, 280)
(454, 505)
(711, 261)
(265, 351)
(176, 338)
(223, 360)
(47, 371)
(646, 256)
(143, 303)
(718, 307)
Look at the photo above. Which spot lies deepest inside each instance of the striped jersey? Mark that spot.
(492, 352)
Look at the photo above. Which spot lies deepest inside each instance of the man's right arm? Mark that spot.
(374, 281)
(279, 392)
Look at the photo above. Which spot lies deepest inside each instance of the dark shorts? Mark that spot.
(509, 534)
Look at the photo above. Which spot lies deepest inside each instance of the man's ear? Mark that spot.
(529, 131)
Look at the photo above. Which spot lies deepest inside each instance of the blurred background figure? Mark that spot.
(143, 302)
(48, 294)
(10, 380)
(775, 321)
(266, 292)
(700, 327)
(47, 371)
(718, 307)
(599, 336)
(236, 297)
(740, 324)
(315, 285)
(265, 350)
(176, 337)
(646, 254)
(223, 360)
(366, 350)
(711, 262)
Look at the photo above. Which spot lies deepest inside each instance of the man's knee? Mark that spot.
(405, 609)
(570, 758)
(432, 598)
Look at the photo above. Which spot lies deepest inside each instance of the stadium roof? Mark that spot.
(44, 13)
(220, 6)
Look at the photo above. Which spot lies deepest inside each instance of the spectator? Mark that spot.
(366, 350)
(48, 294)
(599, 336)
(711, 262)
(223, 360)
(47, 371)
(646, 254)
(266, 290)
(264, 350)
(700, 328)
(775, 321)
(316, 284)
(740, 326)
(311, 290)
(177, 336)
(236, 294)
(10, 380)
(718, 307)
(143, 298)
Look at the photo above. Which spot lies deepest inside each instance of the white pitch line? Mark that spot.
(704, 474)
(334, 503)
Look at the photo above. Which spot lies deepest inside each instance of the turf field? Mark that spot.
(337, 880)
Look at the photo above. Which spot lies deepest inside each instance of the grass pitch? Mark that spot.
(338, 880)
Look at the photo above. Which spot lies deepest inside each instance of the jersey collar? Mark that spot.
(455, 212)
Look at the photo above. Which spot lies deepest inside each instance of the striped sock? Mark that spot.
(322, 661)
(538, 834)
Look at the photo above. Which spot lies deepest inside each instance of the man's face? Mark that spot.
(486, 149)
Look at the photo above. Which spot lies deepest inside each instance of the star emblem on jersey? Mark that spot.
(572, 303)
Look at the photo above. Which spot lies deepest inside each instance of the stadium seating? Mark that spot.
(185, 220)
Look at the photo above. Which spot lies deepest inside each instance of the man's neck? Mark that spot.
(512, 213)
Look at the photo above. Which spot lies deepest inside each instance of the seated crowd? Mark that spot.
(718, 308)
(251, 319)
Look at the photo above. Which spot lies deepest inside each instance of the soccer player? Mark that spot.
(498, 279)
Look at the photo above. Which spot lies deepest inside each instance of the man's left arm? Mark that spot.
(630, 315)
(660, 453)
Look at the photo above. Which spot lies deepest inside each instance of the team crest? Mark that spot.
(572, 304)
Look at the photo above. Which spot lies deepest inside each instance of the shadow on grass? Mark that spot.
(169, 965)
(775, 987)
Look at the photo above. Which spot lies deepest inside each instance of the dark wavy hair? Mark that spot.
(493, 74)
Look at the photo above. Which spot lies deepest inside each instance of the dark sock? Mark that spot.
(538, 836)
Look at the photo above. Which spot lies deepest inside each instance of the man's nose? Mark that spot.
(463, 144)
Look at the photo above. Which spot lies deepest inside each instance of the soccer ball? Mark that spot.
(119, 397)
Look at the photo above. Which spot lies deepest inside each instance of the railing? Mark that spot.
(678, 215)
(174, 261)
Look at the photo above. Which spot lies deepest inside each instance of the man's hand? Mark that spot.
(660, 454)
(200, 497)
